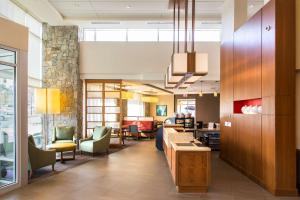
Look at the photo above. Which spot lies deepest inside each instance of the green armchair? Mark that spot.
(63, 134)
(39, 158)
(98, 142)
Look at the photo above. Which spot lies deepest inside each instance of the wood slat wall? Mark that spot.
(259, 63)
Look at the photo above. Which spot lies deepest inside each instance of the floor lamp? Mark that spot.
(47, 102)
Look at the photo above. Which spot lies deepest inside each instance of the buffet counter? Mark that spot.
(189, 161)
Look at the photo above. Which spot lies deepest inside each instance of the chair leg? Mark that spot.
(53, 167)
(107, 151)
(30, 173)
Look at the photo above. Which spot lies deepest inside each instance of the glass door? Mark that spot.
(7, 117)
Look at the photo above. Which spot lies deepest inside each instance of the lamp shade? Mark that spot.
(47, 100)
(40, 100)
(149, 99)
(171, 78)
(127, 95)
(167, 84)
(201, 64)
(180, 64)
(53, 101)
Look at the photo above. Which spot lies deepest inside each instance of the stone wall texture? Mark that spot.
(60, 69)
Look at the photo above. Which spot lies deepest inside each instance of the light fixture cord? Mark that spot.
(186, 25)
(193, 25)
(178, 25)
(174, 25)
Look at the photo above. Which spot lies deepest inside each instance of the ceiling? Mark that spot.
(145, 13)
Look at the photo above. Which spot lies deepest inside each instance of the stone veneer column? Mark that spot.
(60, 69)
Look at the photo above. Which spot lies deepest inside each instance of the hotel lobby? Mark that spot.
(164, 99)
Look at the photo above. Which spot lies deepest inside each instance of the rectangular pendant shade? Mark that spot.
(173, 79)
(184, 85)
(201, 64)
(47, 100)
(179, 64)
(192, 79)
(169, 85)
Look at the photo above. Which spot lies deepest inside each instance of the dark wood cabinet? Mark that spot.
(263, 145)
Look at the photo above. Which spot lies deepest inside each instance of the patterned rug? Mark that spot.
(79, 160)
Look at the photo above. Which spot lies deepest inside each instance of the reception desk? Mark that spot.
(189, 161)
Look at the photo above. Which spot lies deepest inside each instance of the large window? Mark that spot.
(135, 108)
(7, 117)
(148, 35)
(186, 106)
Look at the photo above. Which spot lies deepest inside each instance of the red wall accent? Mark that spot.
(250, 102)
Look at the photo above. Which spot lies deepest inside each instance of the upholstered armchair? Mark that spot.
(98, 142)
(39, 158)
(63, 134)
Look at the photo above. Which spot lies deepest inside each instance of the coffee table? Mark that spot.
(63, 147)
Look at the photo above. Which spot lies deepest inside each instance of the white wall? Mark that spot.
(137, 60)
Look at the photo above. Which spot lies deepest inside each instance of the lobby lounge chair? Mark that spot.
(98, 142)
(63, 134)
(39, 158)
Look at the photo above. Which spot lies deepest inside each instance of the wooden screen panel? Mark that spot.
(103, 104)
(247, 60)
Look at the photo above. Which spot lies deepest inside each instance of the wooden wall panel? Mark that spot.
(285, 47)
(248, 144)
(247, 60)
(285, 156)
(268, 151)
(263, 146)
(268, 50)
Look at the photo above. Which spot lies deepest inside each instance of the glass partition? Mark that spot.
(7, 117)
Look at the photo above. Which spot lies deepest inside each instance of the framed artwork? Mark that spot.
(161, 110)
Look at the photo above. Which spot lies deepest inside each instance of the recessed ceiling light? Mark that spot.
(251, 6)
(128, 6)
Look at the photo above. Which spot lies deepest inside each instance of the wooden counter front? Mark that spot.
(190, 167)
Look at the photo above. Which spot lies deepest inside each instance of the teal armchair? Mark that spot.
(98, 142)
(63, 134)
(39, 158)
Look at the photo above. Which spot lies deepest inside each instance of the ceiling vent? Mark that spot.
(160, 23)
(106, 23)
(211, 22)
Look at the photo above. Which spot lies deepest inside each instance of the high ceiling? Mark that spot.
(128, 8)
(97, 11)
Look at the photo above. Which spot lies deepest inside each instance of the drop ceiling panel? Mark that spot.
(75, 8)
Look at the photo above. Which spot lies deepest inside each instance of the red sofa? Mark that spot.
(145, 124)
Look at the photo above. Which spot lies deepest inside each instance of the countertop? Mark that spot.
(182, 141)
(193, 147)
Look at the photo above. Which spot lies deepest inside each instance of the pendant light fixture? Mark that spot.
(186, 67)
(173, 77)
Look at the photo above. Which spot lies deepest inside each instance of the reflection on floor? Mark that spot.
(139, 172)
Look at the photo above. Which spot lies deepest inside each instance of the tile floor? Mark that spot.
(137, 173)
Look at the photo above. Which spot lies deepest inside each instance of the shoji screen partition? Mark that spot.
(103, 104)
